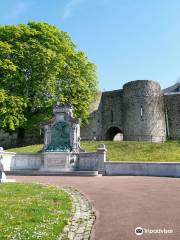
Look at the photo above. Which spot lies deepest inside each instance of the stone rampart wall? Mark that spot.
(93, 128)
(7, 140)
(136, 111)
(112, 111)
(10, 140)
(172, 109)
(144, 116)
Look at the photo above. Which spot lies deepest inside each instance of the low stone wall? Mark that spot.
(27, 161)
(94, 161)
(143, 169)
(16, 161)
(90, 162)
(55, 161)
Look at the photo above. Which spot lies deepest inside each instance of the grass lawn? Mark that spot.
(32, 211)
(127, 150)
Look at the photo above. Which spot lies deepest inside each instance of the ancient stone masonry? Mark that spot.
(143, 115)
(172, 111)
(95, 120)
(140, 111)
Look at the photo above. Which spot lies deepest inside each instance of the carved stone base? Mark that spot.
(58, 161)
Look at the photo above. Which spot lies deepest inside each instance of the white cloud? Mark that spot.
(19, 9)
(69, 8)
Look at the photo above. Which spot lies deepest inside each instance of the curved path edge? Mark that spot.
(82, 217)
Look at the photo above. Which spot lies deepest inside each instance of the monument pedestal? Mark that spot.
(58, 161)
(4, 179)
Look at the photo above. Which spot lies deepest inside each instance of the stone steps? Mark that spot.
(52, 173)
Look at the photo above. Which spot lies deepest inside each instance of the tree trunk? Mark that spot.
(20, 137)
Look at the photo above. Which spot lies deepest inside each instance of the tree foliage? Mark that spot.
(39, 65)
(11, 111)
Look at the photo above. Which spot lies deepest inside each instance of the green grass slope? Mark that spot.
(126, 150)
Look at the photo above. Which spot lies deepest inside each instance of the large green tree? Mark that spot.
(39, 65)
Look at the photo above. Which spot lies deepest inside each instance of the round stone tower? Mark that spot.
(144, 118)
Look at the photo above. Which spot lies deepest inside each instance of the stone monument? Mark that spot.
(3, 178)
(61, 140)
(2, 174)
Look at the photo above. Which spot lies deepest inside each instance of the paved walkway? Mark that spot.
(123, 203)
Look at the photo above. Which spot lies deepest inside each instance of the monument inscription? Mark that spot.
(56, 161)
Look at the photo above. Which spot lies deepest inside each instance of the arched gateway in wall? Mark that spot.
(114, 133)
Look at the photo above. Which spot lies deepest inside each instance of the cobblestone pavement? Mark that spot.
(82, 219)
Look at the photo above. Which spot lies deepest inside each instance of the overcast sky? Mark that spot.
(126, 39)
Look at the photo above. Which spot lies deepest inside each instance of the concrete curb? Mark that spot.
(52, 173)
